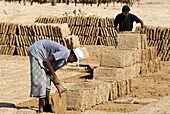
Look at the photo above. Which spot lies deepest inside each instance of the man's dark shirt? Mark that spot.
(125, 23)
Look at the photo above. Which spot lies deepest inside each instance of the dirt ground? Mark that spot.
(14, 70)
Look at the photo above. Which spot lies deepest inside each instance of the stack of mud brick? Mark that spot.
(112, 79)
(7, 38)
(159, 37)
(145, 55)
(90, 30)
(119, 66)
(84, 95)
(16, 38)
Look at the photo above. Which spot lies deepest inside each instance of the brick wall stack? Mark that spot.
(16, 38)
(149, 62)
(112, 79)
(7, 38)
(130, 59)
(82, 96)
(91, 30)
(159, 37)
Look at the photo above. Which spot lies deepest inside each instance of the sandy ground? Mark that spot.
(14, 70)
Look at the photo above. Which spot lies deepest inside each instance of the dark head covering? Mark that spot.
(125, 8)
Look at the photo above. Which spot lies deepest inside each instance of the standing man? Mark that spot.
(46, 57)
(125, 20)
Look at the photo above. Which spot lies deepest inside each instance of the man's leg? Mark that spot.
(41, 104)
(38, 82)
(47, 97)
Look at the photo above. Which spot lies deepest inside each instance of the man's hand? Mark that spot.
(142, 31)
(55, 80)
(58, 88)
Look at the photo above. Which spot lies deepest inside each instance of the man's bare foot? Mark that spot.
(47, 108)
(38, 111)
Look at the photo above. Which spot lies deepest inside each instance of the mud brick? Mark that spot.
(130, 72)
(137, 56)
(80, 97)
(143, 41)
(106, 74)
(58, 104)
(137, 65)
(128, 86)
(10, 28)
(89, 98)
(75, 98)
(151, 66)
(43, 30)
(34, 30)
(101, 90)
(158, 63)
(122, 88)
(7, 50)
(4, 28)
(14, 29)
(1, 28)
(48, 30)
(152, 53)
(40, 30)
(87, 95)
(17, 40)
(144, 55)
(117, 58)
(129, 40)
(143, 68)
(64, 29)
(113, 91)
(11, 39)
(2, 49)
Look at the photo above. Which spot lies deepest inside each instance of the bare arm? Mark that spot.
(47, 64)
(142, 27)
(116, 24)
(116, 29)
(142, 24)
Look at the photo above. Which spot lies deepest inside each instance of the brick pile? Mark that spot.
(159, 37)
(90, 30)
(112, 79)
(16, 38)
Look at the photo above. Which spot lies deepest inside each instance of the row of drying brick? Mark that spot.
(160, 38)
(18, 45)
(52, 30)
(78, 21)
(93, 31)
